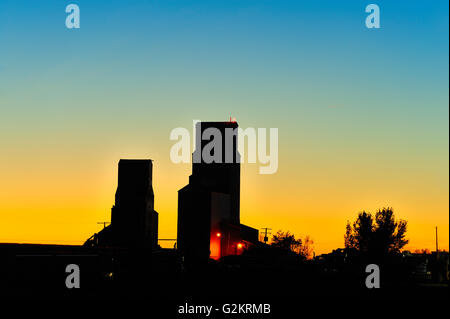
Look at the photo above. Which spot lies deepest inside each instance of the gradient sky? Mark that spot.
(362, 114)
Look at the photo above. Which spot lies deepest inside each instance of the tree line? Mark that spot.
(379, 234)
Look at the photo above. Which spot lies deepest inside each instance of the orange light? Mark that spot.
(239, 245)
(218, 234)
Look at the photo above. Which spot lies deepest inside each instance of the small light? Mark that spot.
(218, 234)
(239, 245)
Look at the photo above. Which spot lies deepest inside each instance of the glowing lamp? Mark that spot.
(218, 234)
(239, 245)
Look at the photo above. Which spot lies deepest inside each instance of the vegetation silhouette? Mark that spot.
(378, 235)
(287, 241)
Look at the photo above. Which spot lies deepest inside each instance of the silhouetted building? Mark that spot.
(221, 177)
(208, 207)
(134, 222)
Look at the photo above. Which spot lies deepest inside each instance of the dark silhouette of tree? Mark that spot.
(287, 241)
(348, 237)
(378, 235)
(389, 234)
(364, 230)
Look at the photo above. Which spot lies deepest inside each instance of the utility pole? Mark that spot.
(266, 238)
(437, 248)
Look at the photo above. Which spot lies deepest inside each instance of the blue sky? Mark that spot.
(338, 92)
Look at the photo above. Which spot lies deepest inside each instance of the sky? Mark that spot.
(362, 114)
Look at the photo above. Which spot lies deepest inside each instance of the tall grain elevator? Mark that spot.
(209, 206)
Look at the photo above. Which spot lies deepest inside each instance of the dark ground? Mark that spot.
(162, 280)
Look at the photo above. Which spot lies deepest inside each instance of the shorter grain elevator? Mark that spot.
(134, 221)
